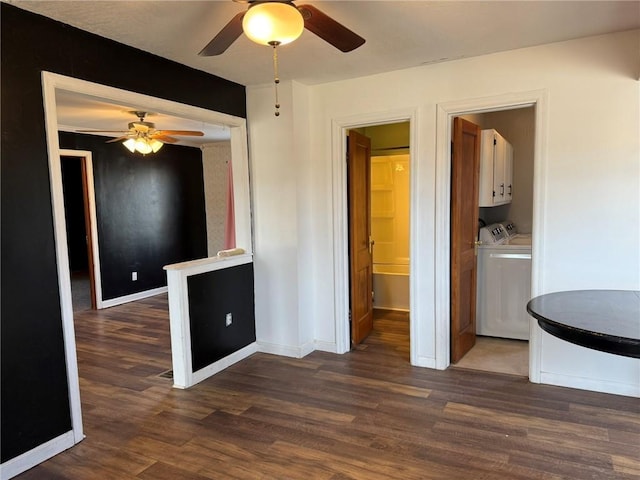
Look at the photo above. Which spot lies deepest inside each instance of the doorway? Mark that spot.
(384, 183)
(81, 228)
(53, 83)
(445, 113)
(504, 271)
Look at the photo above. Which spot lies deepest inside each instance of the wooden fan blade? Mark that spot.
(102, 131)
(163, 138)
(186, 133)
(224, 38)
(118, 139)
(329, 30)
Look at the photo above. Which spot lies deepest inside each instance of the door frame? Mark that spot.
(445, 114)
(93, 222)
(339, 128)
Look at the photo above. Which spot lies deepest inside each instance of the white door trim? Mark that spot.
(445, 113)
(339, 129)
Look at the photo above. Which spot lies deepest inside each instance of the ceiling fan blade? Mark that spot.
(102, 131)
(186, 133)
(117, 139)
(224, 38)
(329, 30)
(163, 138)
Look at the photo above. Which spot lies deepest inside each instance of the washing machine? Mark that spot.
(504, 282)
(513, 236)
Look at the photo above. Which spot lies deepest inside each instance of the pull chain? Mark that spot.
(276, 80)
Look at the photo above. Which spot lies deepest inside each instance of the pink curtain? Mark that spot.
(230, 223)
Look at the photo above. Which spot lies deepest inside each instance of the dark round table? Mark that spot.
(605, 320)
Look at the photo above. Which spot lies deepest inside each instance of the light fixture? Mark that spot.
(272, 23)
(143, 144)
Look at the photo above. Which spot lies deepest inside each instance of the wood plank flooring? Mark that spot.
(363, 415)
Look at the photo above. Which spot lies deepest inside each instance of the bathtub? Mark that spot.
(391, 287)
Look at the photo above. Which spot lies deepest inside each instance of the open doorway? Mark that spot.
(81, 227)
(504, 219)
(382, 220)
(53, 84)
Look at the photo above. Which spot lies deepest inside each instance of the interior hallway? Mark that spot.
(80, 291)
(367, 414)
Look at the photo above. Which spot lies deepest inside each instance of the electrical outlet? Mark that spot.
(134, 276)
(229, 319)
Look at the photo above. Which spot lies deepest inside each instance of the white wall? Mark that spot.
(588, 213)
(279, 152)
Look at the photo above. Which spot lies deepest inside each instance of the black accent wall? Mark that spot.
(35, 401)
(150, 211)
(211, 296)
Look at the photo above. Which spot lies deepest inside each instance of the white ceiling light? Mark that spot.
(273, 23)
(143, 144)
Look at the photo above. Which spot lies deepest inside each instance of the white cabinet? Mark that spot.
(496, 169)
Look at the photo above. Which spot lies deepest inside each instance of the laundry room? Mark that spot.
(505, 218)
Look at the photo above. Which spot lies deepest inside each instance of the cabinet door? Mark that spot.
(485, 191)
(508, 172)
(496, 164)
(499, 157)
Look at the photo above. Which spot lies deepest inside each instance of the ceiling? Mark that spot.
(399, 34)
(76, 112)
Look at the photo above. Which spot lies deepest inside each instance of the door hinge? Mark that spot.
(495, 141)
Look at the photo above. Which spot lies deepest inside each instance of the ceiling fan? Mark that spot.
(289, 16)
(143, 136)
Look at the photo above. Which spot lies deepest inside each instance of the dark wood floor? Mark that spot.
(364, 415)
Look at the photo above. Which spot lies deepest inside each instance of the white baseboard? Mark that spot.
(286, 350)
(307, 348)
(132, 298)
(33, 457)
(427, 362)
(220, 365)
(326, 347)
(626, 389)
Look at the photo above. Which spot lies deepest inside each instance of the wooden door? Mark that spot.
(465, 170)
(360, 258)
(90, 239)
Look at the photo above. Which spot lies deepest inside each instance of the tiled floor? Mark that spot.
(498, 355)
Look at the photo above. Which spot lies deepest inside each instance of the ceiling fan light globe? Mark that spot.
(143, 146)
(273, 22)
(130, 144)
(155, 145)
